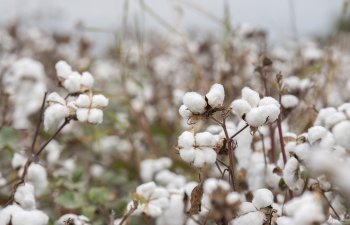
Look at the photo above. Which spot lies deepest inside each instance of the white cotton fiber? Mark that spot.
(99, 101)
(262, 198)
(55, 98)
(341, 133)
(186, 140)
(83, 101)
(250, 96)
(204, 139)
(184, 112)
(316, 133)
(87, 80)
(240, 107)
(216, 96)
(24, 196)
(194, 102)
(252, 218)
(63, 70)
(95, 116)
(289, 101)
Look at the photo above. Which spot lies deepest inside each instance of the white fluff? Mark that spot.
(250, 96)
(55, 98)
(205, 139)
(188, 155)
(335, 118)
(24, 196)
(341, 133)
(83, 101)
(99, 101)
(240, 107)
(212, 184)
(256, 117)
(87, 80)
(291, 175)
(316, 133)
(63, 70)
(37, 176)
(18, 216)
(252, 218)
(95, 116)
(72, 83)
(194, 102)
(77, 220)
(186, 140)
(18, 160)
(216, 95)
(262, 198)
(184, 112)
(289, 101)
(54, 116)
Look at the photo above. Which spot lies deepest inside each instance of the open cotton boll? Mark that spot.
(83, 101)
(95, 116)
(18, 160)
(184, 112)
(289, 101)
(37, 177)
(186, 140)
(204, 139)
(269, 101)
(323, 114)
(194, 102)
(262, 198)
(210, 155)
(240, 107)
(55, 98)
(333, 119)
(316, 133)
(233, 198)
(291, 175)
(256, 117)
(199, 158)
(18, 216)
(63, 70)
(212, 184)
(87, 80)
(77, 220)
(24, 196)
(146, 189)
(82, 114)
(187, 154)
(341, 134)
(216, 95)
(283, 220)
(252, 218)
(72, 83)
(99, 101)
(272, 112)
(54, 115)
(251, 96)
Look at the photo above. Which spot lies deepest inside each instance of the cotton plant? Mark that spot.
(23, 210)
(73, 219)
(80, 104)
(255, 111)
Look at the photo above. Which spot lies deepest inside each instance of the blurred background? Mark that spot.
(282, 19)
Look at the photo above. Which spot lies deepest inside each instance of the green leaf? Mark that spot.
(8, 136)
(304, 175)
(71, 200)
(89, 211)
(282, 184)
(99, 195)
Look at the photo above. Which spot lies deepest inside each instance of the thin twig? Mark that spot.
(238, 132)
(39, 123)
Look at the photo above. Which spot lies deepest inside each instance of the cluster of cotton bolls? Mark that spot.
(80, 103)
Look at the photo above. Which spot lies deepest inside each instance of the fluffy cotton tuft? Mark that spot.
(184, 112)
(262, 198)
(194, 102)
(216, 96)
(316, 133)
(289, 101)
(250, 96)
(63, 69)
(240, 107)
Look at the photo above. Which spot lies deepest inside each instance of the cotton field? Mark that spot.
(179, 129)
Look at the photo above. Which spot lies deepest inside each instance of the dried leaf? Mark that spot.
(196, 198)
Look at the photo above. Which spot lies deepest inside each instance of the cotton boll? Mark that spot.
(315, 133)
(99, 101)
(252, 218)
(272, 112)
(63, 70)
(87, 80)
(72, 83)
(211, 184)
(184, 112)
(335, 118)
(18, 160)
(82, 114)
(204, 139)
(256, 117)
(289, 101)
(174, 212)
(240, 107)
(199, 158)
(216, 95)
(194, 102)
(210, 155)
(55, 98)
(53, 150)
(283, 220)
(269, 101)
(83, 101)
(18, 216)
(341, 134)
(146, 189)
(37, 176)
(24, 196)
(95, 116)
(323, 114)
(262, 198)
(290, 175)
(233, 198)
(55, 115)
(77, 220)
(186, 140)
(188, 155)
(251, 96)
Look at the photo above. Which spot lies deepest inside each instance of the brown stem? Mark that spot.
(38, 124)
(238, 132)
